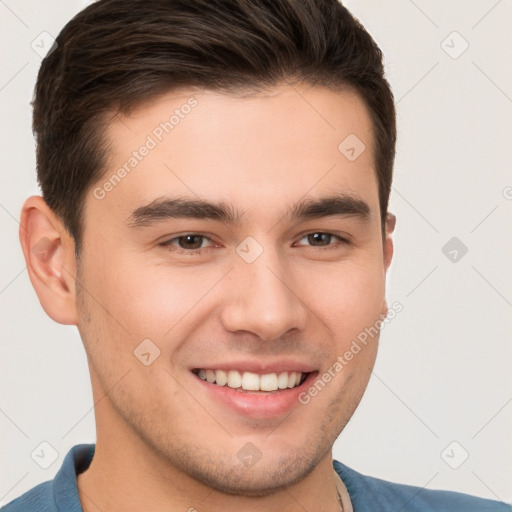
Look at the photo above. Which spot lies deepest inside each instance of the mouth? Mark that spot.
(257, 394)
(250, 382)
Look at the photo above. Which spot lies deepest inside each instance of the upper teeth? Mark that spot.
(252, 381)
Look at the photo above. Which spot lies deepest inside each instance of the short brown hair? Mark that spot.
(115, 54)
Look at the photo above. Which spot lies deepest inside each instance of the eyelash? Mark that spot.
(197, 252)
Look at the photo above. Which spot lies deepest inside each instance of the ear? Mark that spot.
(49, 252)
(388, 241)
(388, 251)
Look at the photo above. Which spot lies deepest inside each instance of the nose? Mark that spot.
(264, 298)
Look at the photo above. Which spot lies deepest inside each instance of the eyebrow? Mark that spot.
(167, 208)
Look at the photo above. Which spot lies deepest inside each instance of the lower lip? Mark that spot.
(257, 405)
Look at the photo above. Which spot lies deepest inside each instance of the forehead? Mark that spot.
(250, 150)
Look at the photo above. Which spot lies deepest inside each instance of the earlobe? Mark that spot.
(384, 310)
(49, 254)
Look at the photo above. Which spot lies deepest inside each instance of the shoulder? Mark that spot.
(61, 493)
(38, 498)
(369, 493)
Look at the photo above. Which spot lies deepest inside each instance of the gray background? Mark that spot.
(441, 389)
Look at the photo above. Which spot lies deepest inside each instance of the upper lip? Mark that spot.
(259, 367)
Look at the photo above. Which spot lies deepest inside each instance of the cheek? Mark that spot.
(348, 297)
(149, 300)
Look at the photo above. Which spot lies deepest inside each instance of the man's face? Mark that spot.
(270, 292)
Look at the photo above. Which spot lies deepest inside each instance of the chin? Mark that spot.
(263, 479)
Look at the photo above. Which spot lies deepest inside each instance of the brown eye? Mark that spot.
(190, 243)
(320, 239)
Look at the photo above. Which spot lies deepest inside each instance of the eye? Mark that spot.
(190, 243)
(321, 239)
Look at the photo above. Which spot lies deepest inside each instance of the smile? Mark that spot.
(249, 381)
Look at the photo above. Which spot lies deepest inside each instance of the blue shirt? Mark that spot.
(367, 494)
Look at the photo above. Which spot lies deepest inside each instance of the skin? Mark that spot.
(162, 442)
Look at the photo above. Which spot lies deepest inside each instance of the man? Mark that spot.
(265, 133)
